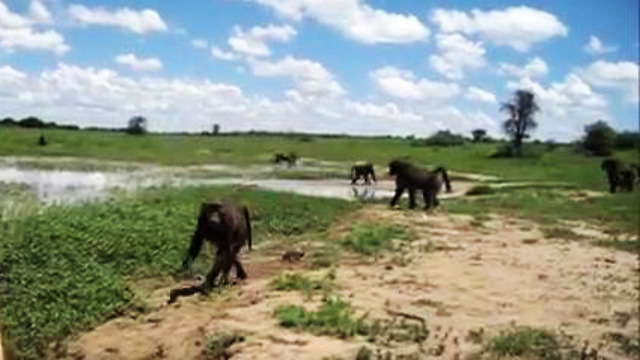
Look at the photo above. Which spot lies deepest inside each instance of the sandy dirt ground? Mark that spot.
(462, 277)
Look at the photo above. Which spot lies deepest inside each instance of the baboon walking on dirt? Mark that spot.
(412, 178)
(229, 228)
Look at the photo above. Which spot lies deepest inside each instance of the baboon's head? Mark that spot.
(609, 165)
(398, 167)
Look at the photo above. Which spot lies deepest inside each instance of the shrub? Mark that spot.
(600, 139)
(444, 138)
(628, 140)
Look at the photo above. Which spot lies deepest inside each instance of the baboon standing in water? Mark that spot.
(412, 178)
(362, 170)
(228, 228)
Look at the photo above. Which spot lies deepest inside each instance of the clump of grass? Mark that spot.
(334, 318)
(631, 346)
(526, 342)
(370, 239)
(481, 190)
(631, 245)
(218, 345)
(306, 284)
(558, 232)
(326, 257)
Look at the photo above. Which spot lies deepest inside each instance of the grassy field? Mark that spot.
(559, 164)
(69, 268)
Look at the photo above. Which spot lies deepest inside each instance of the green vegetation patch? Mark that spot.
(334, 318)
(217, 346)
(370, 239)
(526, 342)
(67, 269)
(305, 283)
(560, 232)
(630, 245)
(481, 190)
(616, 212)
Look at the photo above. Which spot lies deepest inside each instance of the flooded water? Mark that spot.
(72, 186)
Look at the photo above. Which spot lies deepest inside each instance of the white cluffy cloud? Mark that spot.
(101, 97)
(480, 95)
(404, 85)
(139, 64)
(310, 77)
(355, 19)
(137, 21)
(622, 75)
(457, 54)
(25, 32)
(596, 47)
(517, 27)
(254, 41)
(536, 67)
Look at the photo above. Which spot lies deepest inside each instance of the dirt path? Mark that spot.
(460, 275)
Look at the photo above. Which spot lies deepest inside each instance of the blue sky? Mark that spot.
(342, 66)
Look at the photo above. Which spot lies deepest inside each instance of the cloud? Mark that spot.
(199, 43)
(596, 47)
(457, 54)
(309, 77)
(39, 13)
(24, 32)
(517, 27)
(140, 22)
(622, 75)
(479, 95)
(388, 111)
(139, 64)
(218, 53)
(573, 93)
(536, 67)
(404, 85)
(354, 19)
(254, 41)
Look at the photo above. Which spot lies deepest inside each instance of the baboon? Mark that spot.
(618, 174)
(292, 255)
(42, 141)
(412, 178)
(226, 226)
(289, 159)
(362, 170)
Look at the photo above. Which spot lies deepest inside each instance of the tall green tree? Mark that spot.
(137, 125)
(521, 110)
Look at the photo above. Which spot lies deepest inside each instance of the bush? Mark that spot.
(444, 138)
(628, 140)
(600, 139)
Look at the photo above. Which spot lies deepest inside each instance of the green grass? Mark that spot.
(526, 343)
(334, 318)
(304, 283)
(631, 245)
(68, 268)
(481, 190)
(217, 345)
(560, 232)
(370, 239)
(562, 164)
(616, 213)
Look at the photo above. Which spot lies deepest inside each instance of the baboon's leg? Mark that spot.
(239, 269)
(218, 265)
(412, 198)
(397, 195)
(434, 199)
(366, 179)
(427, 199)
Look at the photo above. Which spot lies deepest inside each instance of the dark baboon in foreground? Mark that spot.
(362, 170)
(229, 228)
(42, 141)
(618, 174)
(413, 178)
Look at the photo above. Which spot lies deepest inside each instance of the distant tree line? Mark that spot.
(601, 140)
(33, 122)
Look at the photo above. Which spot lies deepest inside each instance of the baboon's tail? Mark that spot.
(248, 220)
(445, 177)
